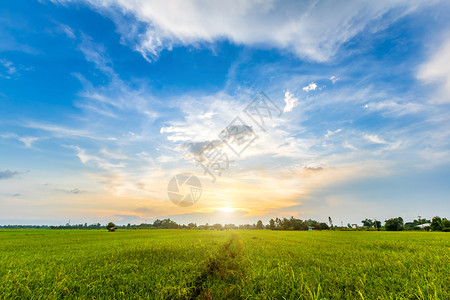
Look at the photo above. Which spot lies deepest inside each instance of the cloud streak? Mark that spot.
(311, 29)
(7, 174)
(436, 71)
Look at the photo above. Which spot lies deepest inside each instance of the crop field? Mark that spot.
(240, 264)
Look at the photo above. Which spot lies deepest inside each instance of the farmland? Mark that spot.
(240, 264)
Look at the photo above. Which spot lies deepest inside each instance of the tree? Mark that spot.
(272, 224)
(259, 225)
(367, 223)
(394, 224)
(330, 221)
(192, 225)
(445, 225)
(323, 226)
(278, 223)
(217, 226)
(436, 224)
(377, 224)
(111, 226)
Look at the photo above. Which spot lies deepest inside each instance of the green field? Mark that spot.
(241, 264)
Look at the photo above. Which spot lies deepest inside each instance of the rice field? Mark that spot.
(240, 264)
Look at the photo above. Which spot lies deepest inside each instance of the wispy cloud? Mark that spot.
(11, 70)
(28, 140)
(97, 54)
(390, 107)
(334, 79)
(8, 174)
(9, 66)
(374, 139)
(437, 71)
(60, 131)
(74, 191)
(311, 29)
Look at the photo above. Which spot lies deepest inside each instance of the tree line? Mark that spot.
(393, 224)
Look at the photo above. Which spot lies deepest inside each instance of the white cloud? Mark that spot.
(59, 131)
(349, 146)
(96, 53)
(391, 107)
(8, 135)
(334, 79)
(330, 133)
(11, 70)
(374, 139)
(310, 87)
(67, 31)
(311, 29)
(437, 71)
(28, 140)
(9, 66)
(290, 100)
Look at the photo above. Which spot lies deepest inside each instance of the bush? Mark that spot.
(394, 224)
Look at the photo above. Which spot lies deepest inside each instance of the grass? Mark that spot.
(242, 264)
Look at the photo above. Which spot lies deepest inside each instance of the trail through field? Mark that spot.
(224, 270)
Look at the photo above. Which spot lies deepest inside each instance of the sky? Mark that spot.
(311, 109)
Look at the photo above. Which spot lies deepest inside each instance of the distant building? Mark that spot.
(354, 226)
(112, 229)
(424, 225)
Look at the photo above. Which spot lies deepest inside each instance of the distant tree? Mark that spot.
(229, 226)
(367, 223)
(300, 225)
(259, 225)
(272, 224)
(285, 224)
(421, 221)
(330, 222)
(312, 223)
(394, 224)
(436, 224)
(278, 223)
(349, 225)
(217, 226)
(410, 226)
(377, 224)
(244, 226)
(323, 226)
(111, 226)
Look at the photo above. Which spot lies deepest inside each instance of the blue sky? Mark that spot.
(103, 102)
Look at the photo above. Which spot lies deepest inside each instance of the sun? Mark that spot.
(227, 209)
